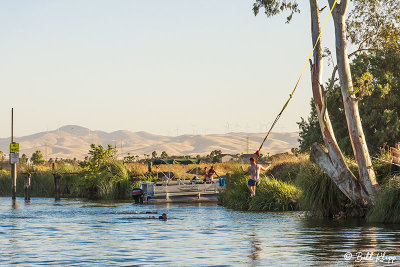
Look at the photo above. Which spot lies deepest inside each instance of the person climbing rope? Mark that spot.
(254, 169)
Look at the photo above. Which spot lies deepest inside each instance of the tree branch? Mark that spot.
(326, 92)
(344, 4)
(360, 48)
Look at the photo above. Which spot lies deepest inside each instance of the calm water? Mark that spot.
(75, 232)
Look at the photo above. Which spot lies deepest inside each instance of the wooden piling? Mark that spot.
(14, 180)
(27, 186)
(57, 193)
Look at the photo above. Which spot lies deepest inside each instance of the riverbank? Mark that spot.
(294, 183)
(113, 181)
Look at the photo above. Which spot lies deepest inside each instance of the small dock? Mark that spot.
(181, 191)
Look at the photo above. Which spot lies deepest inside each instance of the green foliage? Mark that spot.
(272, 195)
(379, 111)
(215, 156)
(95, 163)
(382, 169)
(236, 194)
(374, 24)
(387, 203)
(310, 132)
(23, 159)
(164, 155)
(42, 185)
(275, 195)
(274, 7)
(37, 157)
(363, 85)
(320, 194)
(104, 176)
(65, 167)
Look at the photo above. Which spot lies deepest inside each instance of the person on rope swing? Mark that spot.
(254, 169)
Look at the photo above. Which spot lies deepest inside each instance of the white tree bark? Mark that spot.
(357, 137)
(333, 162)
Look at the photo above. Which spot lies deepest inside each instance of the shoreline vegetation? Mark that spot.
(292, 183)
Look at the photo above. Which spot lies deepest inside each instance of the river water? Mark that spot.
(77, 232)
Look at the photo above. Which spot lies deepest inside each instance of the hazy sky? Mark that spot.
(166, 67)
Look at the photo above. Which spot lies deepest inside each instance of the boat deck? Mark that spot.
(184, 191)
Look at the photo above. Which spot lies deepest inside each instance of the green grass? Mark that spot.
(111, 184)
(387, 203)
(275, 195)
(271, 194)
(320, 194)
(296, 184)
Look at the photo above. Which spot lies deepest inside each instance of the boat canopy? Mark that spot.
(180, 161)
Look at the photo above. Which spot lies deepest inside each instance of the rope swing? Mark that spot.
(295, 87)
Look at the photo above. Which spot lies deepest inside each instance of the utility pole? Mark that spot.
(247, 144)
(14, 158)
(45, 151)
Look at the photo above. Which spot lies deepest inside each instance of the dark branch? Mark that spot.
(333, 79)
(362, 49)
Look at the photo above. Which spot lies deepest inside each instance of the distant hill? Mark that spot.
(73, 141)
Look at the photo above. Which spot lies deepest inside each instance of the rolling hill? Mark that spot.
(73, 141)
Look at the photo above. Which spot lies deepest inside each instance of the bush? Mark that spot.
(110, 182)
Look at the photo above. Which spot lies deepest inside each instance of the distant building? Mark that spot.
(228, 158)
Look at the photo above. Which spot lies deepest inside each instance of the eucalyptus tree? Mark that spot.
(361, 189)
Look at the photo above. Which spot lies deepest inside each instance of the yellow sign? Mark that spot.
(14, 148)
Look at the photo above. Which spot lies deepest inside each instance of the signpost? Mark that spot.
(14, 158)
(14, 147)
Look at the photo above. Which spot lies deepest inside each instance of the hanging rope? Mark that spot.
(297, 83)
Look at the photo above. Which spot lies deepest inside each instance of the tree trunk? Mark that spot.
(357, 138)
(332, 163)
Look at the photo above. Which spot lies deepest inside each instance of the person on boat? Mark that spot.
(210, 174)
(254, 169)
(205, 174)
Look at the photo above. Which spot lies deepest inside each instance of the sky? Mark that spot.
(166, 67)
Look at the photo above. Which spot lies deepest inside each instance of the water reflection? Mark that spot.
(14, 204)
(256, 247)
(330, 241)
